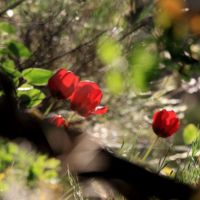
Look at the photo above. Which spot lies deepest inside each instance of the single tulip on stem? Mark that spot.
(165, 124)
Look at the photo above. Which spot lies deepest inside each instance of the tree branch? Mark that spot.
(72, 50)
(12, 6)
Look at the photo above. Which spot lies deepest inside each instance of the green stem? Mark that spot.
(150, 149)
(49, 108)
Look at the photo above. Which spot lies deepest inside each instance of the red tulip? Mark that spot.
(165, 123)
(86, 99)
(63, 83)
(57, 120)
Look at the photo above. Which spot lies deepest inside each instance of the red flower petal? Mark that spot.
(165, 123)
(68, 84)
(57, 120)
(86, 98)
(100, 110)
(63, 83)
(174, 125)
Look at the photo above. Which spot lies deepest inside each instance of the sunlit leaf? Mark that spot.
(29, 97)
(108, 50)
(25, 87)
(8, 66)
(114, 82)
(142, 67)
(37, 76)
(190, 133)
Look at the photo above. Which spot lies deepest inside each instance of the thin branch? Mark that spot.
(12, 6)
(73, 50)
(144, 23)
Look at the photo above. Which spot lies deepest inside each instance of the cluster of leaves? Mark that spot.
(27, 80)
(18, 163)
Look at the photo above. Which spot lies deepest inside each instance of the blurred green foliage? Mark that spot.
(190, 133)
(114, 81)
(143, 66)
(43, 168)
(7, 28)
(23, 165)
(108, 50)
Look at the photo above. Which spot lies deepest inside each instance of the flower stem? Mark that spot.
(49, 109)
(150, 149)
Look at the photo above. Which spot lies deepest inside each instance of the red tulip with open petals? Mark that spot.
(63, 83)
(86, 99)
(165, 123)
(57, 120)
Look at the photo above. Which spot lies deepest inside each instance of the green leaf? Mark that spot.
(8, 66)
(18, 49)
(25, 87)
(7, 28)
(142, 67)
(29, 96)
(108, 50)
(114, 82)
(37, 76)
(190, 133)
